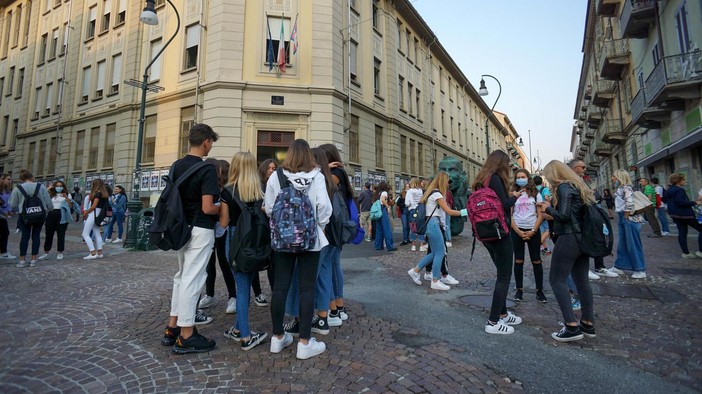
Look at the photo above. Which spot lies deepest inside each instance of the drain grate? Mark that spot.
(681, 271)
(624, 291)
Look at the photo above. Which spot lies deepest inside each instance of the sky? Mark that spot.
(534, 48)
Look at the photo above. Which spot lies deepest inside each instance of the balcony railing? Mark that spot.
(602, 149)
(613, 58)
(612, 132)
(645, 115)
(675, 77)
(589, 134)
(588, 92)
(604, 93)
(636, 17)
(594, 118)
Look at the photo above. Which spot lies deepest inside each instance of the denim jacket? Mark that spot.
(66, 216)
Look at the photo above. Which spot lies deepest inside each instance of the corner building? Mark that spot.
(369, 76)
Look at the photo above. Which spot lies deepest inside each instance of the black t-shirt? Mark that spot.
(343, 181)
(234, 210)
(102, 202)
(202, 183)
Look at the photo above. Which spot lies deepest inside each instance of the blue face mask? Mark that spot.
(521, 182)
(59, 189)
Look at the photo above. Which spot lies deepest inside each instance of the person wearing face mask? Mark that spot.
(57, 219)
(525, 230)
(118, 203)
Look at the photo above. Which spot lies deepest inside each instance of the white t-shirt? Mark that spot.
(524, 212)
(57, 201)
(412, 198)
(700, 193)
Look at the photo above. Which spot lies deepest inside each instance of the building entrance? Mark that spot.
(273, 145)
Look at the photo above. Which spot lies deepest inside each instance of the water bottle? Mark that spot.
(605, 230)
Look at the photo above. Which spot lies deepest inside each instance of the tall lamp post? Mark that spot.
(530, 156)
(484, 92)
(148, 17)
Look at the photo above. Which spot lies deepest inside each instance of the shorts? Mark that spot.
(544, 227)
(363, 219)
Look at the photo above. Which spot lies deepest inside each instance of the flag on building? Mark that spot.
(270, 55)
(281, 46)
(293, 37)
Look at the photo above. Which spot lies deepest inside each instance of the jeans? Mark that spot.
(284, 264)
(663, 217)
(405, 224)
(384, 232)
(323, 285)
(650, 215)
(243, 281)
(501, 252)
(438, 248)
(337, 275)
(568, 259)
(218, 253)
(117, 217)
(29, 230)
(682, 225)
(53, 225)
(629, 249)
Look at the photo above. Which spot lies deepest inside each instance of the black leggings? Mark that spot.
(53, 225)
(4, 235)
(534, 246)
(501, 252)
(569, 259)
(284, 264)
(682, 225)
(219, 253)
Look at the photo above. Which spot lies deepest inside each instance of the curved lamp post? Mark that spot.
(484, 92)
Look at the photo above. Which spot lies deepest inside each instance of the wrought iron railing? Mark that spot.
(673, 69)
(631, 6)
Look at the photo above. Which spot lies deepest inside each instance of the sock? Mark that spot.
(538, 275)
(334, 313)
(585, 325)
(519, 275)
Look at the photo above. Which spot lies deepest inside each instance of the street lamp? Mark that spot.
(148, 17)
(530, 156)
(484, 92)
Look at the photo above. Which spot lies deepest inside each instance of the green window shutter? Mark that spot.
(665, 137)
(648, 149)
(693, 120)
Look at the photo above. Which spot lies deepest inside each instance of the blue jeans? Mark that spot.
(117, 217)
(243, 281)
(337, 275)
(438, 248)
(663, 218)
(32, 231)
(405, 224)
(384, 232)
(629, 249)
(323, 285)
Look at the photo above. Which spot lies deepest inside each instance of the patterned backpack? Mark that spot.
(293, 220)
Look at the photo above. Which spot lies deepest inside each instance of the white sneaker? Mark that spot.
(511, 319)
(438, 285)
(334, 321)
(449, 280)
(59, 256)
(117, 241)
(698, 254)
(607, 273)
(498, 328)
(414, 248)
(277, 345)
(7, 256)
(665, 233)
(423, 248)
(17, 231)
(101, 255)
(416, 278)
(107, 241)
(428, 276)
(21, 264)
(688, 256)
(231, 305)
(592, 275)
(449, 244)
(90, 257)
(33, 263)
(206, 302)
(617, 271)
(638, 275)
(44, 256)
(312, 349)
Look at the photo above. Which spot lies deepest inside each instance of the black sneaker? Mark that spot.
(588, 331)
(566, 335)
(201, 319)
(231, 333)
(518, 295)
(170, 335)
(292, 328)
(541, 296)
(195, 344)
(319, 325)
(255, 339)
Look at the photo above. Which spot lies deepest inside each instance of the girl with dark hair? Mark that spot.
(57, 219)
(118, 203)
(495, 175)
(609, 200)
(28, 186)
(266, 169)
(384, 231)
(5, 212)
(98, 202)
(264, 172)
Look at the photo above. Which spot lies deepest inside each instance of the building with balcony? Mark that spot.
(639, 91)
(369, 76)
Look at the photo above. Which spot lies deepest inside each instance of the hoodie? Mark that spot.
(679, 206)
(313, 182)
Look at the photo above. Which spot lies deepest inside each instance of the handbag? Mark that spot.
(641, 202)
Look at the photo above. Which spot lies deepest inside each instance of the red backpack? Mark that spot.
(486, 215)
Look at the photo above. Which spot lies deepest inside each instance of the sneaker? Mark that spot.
(334, 319)
(233, 334)
(416, 278)
(607, 273)
(368, 239)
(17, 231)
(278, 344)
(449, 280)
(254, 339)
(292, 328)
(90, 257)
(617, 271)
(107, 241)
(546, 251)
(320, 325)
(231, 305)
(541, 296)
(170, 335)
(511, 319)
(195, 344)
(44, 256)
(414, 248)
(7, 256)
(403, 243)
(638, 275)
(498, 328)
(566, 335)
(654, 235)
(33, 263)
(201, 320)
(428, 276)
(592, 275)
(100, 255)
(423, 248)
(342, 313)
(439, 285)
(206, 302)
(312, 349)
(59, 256)
(665, 233)
(588, 332)
(21, 264)
(117, 241)
(698, 254)
(688, 256)
(576, 304)
(449, 244)
(518, 295)
(261, 300)
(392, 250)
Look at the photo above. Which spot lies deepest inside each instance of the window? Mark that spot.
(49, 99)
(453, 134)
(38, 101)
(376, 19)
(8, 33)
(15, 130)
(155, 69)
(655, 52)
(5, 125)
(18, 23)
(85, 93)
(54, 44)
(106, 9)
(354, 60)
(93, 150)
(20, 83)
(59, 96)
(401, 92)
(274, 26)
(410, 100)
(681, 28)
(51, 168)
(403, 153)
(149, 145)
(78, 155)
(65, 38)
(116, 73)
(441, 78)
(354, 156)
(109, 155)
(400, 29)
(42, 156)
(121, 12)
(90, 29)
(418, 100)
(27, 15)
(42, 48)
(420, 157)
(408, 36)
(376, 76)
(30, 156)
(187, 120)
(192, 42)
(378, 146)
(412, 157)
(2, 88)
(100, 84)
(416, 52)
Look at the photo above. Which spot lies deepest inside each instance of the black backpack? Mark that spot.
(341, 229)
(105, 213)
(33, 210)
(596, 238)
(169, 230)
(421, 217)
(250, 240)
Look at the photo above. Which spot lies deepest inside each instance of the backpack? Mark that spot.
(33, 210)
(293, 220)
(421, 216)
(353, 213)
(486, 214)
(342, 229)
(169, 230)
(376, 211)
(250, 240)
(597, 238)
(103, 219)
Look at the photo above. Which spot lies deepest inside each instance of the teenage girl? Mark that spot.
(98, 202)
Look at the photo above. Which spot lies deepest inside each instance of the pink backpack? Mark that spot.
(486, 215)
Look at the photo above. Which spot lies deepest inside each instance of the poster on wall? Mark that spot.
(145, 178)
(110, 180)
(76, 182)
(357, 175)
(154, 181)
(397, 183)
(162, 182)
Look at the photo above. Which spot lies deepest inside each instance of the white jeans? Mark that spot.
(191, 275)
(88, 226)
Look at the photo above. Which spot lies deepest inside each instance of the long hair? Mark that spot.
(623, 176)
(52, 190)
(299, 157)
(320, 157)
(497, 162)
(263, 170)
(382, 187)
(243, 176)
(414, 183)
(557, 172)
(530, 187)
(333, 155)
(5, 188)
(98, 186)
(606, 193)
(440, 182)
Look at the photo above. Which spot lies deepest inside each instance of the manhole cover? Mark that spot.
(682, 271)
(626, 291)
(482, 301)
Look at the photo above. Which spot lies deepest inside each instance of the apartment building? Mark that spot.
(367, 75)
(638, 105)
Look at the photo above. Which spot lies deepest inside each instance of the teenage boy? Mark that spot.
(198, 194)
(660, 207)
(365, 200)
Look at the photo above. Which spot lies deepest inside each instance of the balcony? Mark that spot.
(588, 92)
(613, 59)
(594, 163)
(612, 132)
(581, 124)
(594, 118)
(586, 142)
(676, 77)
(647, 116)
(602, 149)
(636, 17)
(607, 7)
(589, 134)
(604, 93)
